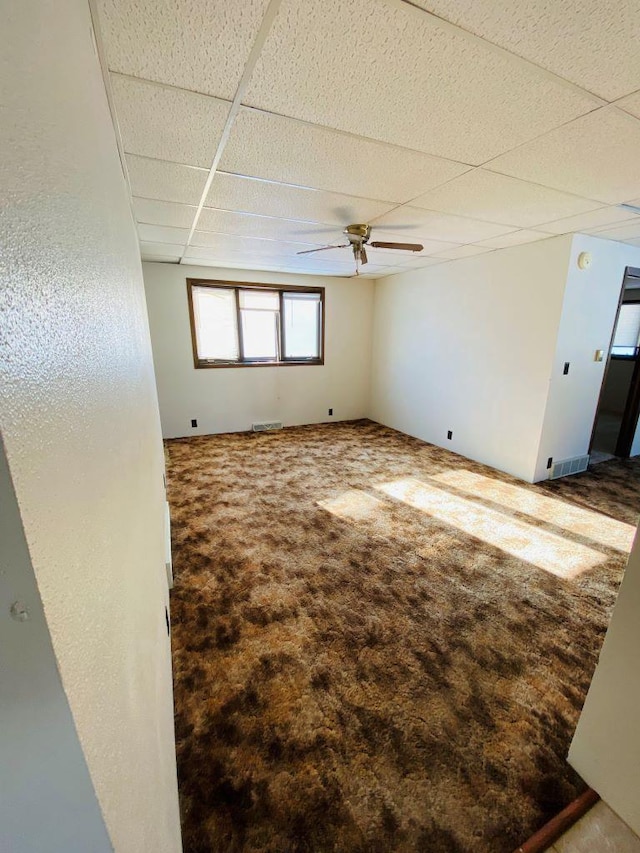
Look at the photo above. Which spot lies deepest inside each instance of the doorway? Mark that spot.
(619, 404)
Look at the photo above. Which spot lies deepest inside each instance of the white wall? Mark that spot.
(468, 346)
(79, 419)
(606, 746)
(229, 400)
(43, 771)
(588, 314)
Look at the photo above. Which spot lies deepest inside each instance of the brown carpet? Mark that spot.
(378, 644)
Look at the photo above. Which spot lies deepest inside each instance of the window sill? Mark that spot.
(202, 365)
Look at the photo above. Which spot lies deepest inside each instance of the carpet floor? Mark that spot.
(379, 645)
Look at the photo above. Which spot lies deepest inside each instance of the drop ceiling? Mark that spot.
(254, 130)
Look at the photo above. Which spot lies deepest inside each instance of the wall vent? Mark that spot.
(266, 425)
(568, 466)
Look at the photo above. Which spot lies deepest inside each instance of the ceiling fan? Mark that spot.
(358, 235)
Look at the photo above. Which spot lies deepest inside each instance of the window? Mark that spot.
(625, 340)
(256, 324)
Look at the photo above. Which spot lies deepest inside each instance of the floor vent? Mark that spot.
(569, 466)
(266, 425)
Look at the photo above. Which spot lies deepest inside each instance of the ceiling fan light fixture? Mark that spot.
(358, 234)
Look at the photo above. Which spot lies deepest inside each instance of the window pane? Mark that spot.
(214, 312)
(264, 300)
(302, 325)
(259, 334)
(627, 330)
(629, 351)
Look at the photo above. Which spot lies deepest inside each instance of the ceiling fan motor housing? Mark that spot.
(358, 233)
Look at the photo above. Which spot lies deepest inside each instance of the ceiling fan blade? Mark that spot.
(363, 255)
(323, 249)
(405, 247)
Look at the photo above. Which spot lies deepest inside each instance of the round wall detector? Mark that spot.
(584, 260)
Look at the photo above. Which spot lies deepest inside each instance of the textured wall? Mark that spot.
(231, 400)
(43, 770)
(79, 414)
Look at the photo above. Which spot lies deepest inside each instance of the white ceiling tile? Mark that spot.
(595, 156)
(254, 246)
(342, 273)
(373, 276)
(515, 238)
(161, 250)
(630, 104)
(391, 257)
(168, 124)
(310, 261)
(591, 43)
(498, 198)
(202, 46)
(390, 72)
(157, 179)
(279, 149)
(593, 221)
(270, 228)
(164, 212)
(230, 257)
(328, 267)
(462, 252)
(418, 262)
(426, 225)
(269, 198)
(626, 231)
(243, 264)
(634, 242)
(163, 234)
(242, 259)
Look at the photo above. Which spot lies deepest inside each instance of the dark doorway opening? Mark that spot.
(619, 404)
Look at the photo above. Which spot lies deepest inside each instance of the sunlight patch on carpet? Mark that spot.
(356, 505)
(561, 557)
(592, 525)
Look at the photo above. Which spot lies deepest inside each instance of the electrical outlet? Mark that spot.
(330, 411)
(450, 434)
(194, 422)
(550, 462)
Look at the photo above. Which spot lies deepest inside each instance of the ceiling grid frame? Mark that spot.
(237, 105)
(263, 32)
